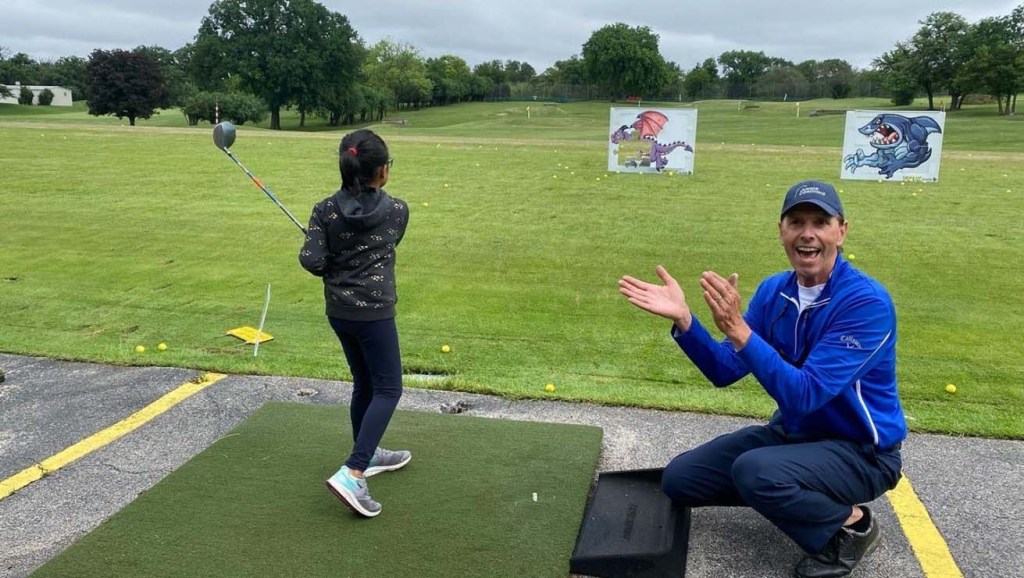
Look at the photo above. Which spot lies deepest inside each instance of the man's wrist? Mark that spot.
(740, 337)
(684, 322)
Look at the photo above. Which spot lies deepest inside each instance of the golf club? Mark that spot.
(224, 137)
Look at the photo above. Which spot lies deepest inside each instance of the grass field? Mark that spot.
(115, 236)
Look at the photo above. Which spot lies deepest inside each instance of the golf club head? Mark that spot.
(224, 135)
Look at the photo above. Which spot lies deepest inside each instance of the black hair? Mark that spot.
(360, 156)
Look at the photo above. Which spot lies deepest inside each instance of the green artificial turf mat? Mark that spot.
(254, 503)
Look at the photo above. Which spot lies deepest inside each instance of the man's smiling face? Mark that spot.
(812, 239)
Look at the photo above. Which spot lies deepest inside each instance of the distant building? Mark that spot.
(61, 95)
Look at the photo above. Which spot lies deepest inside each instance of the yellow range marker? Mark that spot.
(928, 544)
(249, 335)
(106, 436)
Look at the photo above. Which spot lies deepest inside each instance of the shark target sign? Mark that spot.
(647, 140)
(884, 145)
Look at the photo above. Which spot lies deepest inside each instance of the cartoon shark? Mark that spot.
(900, 143)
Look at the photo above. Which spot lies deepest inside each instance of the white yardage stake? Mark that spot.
(263, 317)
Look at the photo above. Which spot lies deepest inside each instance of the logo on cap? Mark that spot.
(810, 190)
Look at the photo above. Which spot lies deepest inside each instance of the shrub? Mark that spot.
(241, 107)
(236, 107)
(903, 95)
(45, 97)
(25, 96)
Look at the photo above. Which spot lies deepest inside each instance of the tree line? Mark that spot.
(251, 57)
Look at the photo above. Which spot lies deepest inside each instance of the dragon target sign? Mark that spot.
(883, 145)
(652, 140)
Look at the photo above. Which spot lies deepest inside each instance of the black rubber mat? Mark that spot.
(630, 528)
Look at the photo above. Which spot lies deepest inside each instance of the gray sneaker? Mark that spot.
(386, 460)
(352, 491)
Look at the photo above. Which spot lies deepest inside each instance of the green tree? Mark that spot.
(4, 91)
(205, 64)
(1016, 24)
(938, 53)
(569, 71)
(451, 77)
(701, 81)
(625, 60)
(995, 66)
(833, 77)
(18, 68)
(328, 57)
(497, 78)
(175, 79)
(781, 82)
(899, 78)
(339, 85)
(248, 39)
(741, 71)
(399, 70)
(275, 48)
(69, 72)
(673, 87)
(519, 71)
(480, 86)
(125, 84)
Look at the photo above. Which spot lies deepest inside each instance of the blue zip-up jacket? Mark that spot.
(831, 368)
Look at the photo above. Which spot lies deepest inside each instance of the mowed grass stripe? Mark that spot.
(106, 436)
(925, 539)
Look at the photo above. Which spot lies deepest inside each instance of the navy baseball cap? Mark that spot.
(817, 193)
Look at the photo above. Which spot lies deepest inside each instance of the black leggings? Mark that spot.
(371, 348)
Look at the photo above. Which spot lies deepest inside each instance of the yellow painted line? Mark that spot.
(928, 544)
(106, 436)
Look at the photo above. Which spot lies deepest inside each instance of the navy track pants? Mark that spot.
(805, 488)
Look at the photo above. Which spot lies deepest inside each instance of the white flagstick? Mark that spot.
(263, 317)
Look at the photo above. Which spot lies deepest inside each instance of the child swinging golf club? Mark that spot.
(350, 243)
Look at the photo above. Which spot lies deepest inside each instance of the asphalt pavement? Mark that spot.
(973, 489)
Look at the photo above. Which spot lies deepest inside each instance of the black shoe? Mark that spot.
(1, 376)
(843, 552)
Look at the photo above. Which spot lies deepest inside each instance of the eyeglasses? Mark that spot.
(390, 162)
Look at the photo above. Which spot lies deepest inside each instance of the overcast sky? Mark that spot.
(535, 31)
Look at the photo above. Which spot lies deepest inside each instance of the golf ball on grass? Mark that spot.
(550, 388)
(140, 349)
(950, 388)
(162, 346)
(445, 348)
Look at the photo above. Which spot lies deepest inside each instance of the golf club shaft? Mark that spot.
(265, 190)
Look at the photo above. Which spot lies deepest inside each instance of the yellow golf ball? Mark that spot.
(162, 346)
(853, 257)
(445, 348)
(950, 388)
(549, 388)
(140, 349)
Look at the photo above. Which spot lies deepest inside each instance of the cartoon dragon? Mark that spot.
(647, 126)
(900, 143)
